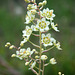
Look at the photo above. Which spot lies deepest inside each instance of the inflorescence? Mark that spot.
(41, 21)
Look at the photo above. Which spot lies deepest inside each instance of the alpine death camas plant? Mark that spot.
(41, 24)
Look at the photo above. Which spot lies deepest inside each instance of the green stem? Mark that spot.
(40, 53)
(43, 69)
(48, 49)
(34, 44)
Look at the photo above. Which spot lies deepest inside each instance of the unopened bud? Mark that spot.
(28, 1)
(59, 73)
(34, 50)
(27, 63)
(13, 55)
(42, 49)
(11, 47)
(29, 7)
(21, 44)
(32, 0)
(44, 2)
(36, 57)
(40, 4)
(44, 57)
(8, 44)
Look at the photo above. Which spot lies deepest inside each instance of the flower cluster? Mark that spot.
(41, 24)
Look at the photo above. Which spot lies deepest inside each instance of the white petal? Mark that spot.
(47, 22)
(27, 27)
(28, 49)
(43, 35)
(48, 35)
(47, 28)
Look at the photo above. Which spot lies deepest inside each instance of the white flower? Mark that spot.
(43, 13)
(43, 25)
(28, 51)
(47, 40)
(18, 55)
(33, 64)
(48, 14)
(33, 11)
(44, 57)
(29, 17)
(53, 61)
(27, 32)
(54, 27)
(24, 53)
(34, 28)
(58, 46)
(21, 54)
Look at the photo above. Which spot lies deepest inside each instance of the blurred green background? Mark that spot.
(12, 18)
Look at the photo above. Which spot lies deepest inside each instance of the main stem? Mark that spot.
(43, 69)
(40, 53)
(40, 45)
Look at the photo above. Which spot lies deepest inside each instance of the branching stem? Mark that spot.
(48, 49)
(34, 44)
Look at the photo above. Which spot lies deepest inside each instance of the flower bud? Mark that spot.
(44, 2)
(44, 57)
(27, 63)
(34, 50)
(8, 44)
(32, 0)
(59, 73)
(11, 47)
(13, 55)
(21, 44)
(36, 57)
(42, 49)
(29, 7)
(40, 4)
(28, 1)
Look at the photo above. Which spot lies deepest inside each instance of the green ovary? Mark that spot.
(28, 32)
(42, 25)
(46, 40)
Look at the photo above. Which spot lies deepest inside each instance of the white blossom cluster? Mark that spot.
(43, 24)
